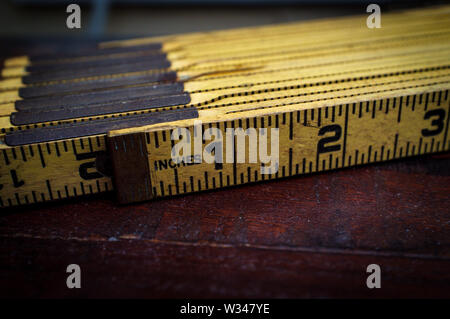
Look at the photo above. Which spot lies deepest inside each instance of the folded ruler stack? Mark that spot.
(338, 93)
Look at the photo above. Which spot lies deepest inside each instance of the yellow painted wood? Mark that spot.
(64, 170)
(386, 89)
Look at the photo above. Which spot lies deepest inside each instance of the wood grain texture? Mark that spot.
(310, 236)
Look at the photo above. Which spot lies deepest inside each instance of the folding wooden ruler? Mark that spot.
(331, 93)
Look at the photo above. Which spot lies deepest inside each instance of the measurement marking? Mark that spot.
(446, 125)
(5, 157)
(41, 155)
(22, 151)
(290, 161)
(395, 145)
(17, 198)
(161, 185)
(176, 181)
(399, 118)
(291, 127)
(91, 149)
(48, 148)
(206, 180)
(49, 189)
(345, 135)
(156, 138)
(58, 153)
(426, 101)
(34, 196)
(319, 117)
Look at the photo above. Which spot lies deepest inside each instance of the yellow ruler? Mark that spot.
(248, 105)
(319, 136)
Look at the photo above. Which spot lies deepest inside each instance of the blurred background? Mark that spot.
(40, 25)
(129, 18)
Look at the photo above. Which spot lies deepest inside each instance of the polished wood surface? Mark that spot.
(310, 236)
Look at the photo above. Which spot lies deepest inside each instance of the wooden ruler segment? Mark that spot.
(207, 93)
(310, 140)
(258, 95)
(308, 27)
(183, 56)
(377, 130)
(301, 68)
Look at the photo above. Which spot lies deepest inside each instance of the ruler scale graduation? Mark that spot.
(338, 94)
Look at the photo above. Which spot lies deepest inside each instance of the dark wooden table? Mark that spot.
(310, 236)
